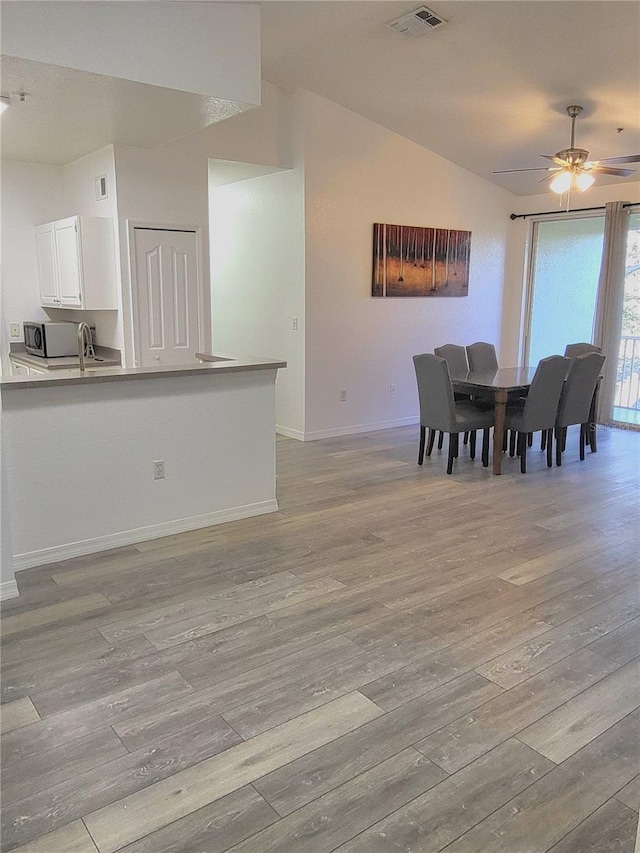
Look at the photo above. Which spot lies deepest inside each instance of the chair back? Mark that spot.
(574, 350)
(579, 388)
(437, 406)
(482, 357)
(456, 358)
(541, 405)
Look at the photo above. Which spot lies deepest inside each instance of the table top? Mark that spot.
(503, 379)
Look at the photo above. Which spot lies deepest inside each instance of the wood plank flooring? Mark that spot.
(395, 661)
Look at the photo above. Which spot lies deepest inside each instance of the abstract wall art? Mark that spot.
(412, 261)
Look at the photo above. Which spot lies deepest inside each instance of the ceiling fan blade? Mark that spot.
(607, 170)
(558, 160)
(632, 158)
(508, 171)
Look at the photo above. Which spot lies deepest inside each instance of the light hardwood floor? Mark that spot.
(396, 661)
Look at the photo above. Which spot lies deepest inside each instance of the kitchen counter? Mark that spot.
(93, 444)
(206, 364)
(105, 357)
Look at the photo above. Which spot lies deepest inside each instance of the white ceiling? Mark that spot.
(488, 90)
(68, 113)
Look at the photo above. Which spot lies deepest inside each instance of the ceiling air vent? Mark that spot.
(416, 23)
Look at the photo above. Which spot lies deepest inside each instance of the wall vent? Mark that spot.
(102, 190)
(416, 23)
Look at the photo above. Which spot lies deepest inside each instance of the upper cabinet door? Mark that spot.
(77, 263)
(47, 274)
(67, 245)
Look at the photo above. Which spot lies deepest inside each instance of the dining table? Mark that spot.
(496, 384)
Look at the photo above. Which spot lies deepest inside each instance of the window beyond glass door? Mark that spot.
(563, 283)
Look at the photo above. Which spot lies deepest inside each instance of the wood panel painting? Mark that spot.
(413, 261)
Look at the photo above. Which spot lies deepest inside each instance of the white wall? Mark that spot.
(159, 187)
(518, 243)
(32, 194)
(8, 586)
(215, 434)
(80, 199)
(170, 184)
(257, 278)
(261, 136)
(358, 173)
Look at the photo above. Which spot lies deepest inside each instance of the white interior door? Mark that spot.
(166, 296)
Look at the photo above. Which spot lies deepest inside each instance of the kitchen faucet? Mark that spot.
(84, 339)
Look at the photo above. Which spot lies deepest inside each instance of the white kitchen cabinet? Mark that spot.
(77, 263)
(25, 368)
(19, 368)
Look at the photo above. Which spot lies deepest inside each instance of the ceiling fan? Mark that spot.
(573, 169)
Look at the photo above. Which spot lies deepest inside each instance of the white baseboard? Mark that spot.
(8, 589)
(290, 433)
(356, 428)
(140, 534)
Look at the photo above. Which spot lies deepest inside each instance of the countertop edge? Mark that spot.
(214, 364)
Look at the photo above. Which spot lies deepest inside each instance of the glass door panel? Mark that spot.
(563, 281)
(626, 403)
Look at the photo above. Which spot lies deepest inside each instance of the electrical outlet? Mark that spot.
(158, 469)
(14, 330)
(392, 389)
(343, 396)
(294, 324)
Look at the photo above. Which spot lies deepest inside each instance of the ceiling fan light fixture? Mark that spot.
(561, 183)
(584, 180)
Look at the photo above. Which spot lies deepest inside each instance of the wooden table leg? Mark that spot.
(498, 429)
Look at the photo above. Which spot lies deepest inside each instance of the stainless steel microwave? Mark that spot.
(51, 340)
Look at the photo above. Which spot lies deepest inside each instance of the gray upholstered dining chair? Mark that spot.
(539, 409)
(576, 400)
(439, 410)
(456, 358)
(482, 357)
(574, 350)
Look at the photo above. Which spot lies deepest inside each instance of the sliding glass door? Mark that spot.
(566, 255)
(626, 403)
(564, 270)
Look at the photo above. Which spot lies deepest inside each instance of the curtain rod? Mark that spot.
(558, 212)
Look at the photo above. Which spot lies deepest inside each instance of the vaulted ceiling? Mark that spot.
(488, 90)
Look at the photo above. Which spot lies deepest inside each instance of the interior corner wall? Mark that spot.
(79, 178)
(261, 136)
(32, 194)
(518, 243)
(257, 277)
(358, 173)
(161, 187)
